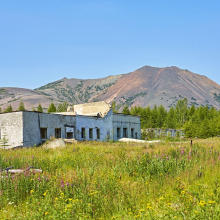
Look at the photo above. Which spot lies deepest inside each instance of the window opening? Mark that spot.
(118, 133)
(132, 132)
(57, 132)
(125, 132)
(43, 132)
(98, 133)
(83, 133)
(90, 133)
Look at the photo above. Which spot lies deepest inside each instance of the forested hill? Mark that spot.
(142, 87)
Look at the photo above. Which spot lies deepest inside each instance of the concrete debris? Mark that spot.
(55, 144)
(70, 141)
(127, 140)
(12, 171)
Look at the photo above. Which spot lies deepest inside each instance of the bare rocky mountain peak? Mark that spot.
(144, 86)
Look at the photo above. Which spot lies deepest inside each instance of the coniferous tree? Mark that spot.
(52, 108)
(205, 130)
(39, 108)
(146, 114)
(126, 110)
(154, 114)
(21, 106)
(213, 113)
(161, 116)
(189, 129)
(8, 109)
(4, 141)
(191, 111)
(171, 118)
(0, 110)
(181, 111)
(62, 107)
(114, 107)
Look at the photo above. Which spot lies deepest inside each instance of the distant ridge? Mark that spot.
(145, 86)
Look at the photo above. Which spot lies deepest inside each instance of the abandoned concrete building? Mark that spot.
(90, 121)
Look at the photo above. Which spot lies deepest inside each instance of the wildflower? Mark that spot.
(62, 185)
(161, 198)
(56, 198)
(45, 193)
(183, 192)
(67, 184)
(38, 178)
(182, 152)
(211, 202)
(32, 191)
(202, 203)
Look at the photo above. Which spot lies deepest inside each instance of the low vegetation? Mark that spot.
(94, 180)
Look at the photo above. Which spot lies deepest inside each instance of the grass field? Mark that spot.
(93, 180)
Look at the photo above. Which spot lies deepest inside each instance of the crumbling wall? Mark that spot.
(91, 108)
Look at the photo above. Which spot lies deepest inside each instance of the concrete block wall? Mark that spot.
(33, 121)
(104, 124)
(11, 125)
(126, 121)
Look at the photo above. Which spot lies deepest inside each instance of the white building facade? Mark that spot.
(33, 128)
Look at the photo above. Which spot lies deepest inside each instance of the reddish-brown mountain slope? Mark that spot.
(145, 86)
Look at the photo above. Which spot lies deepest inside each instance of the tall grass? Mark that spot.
(94, 180)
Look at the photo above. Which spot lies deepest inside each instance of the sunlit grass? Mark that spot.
(93, 180)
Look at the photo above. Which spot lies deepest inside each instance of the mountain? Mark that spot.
(145, 86)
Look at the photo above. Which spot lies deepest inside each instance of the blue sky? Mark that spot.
(43, 41)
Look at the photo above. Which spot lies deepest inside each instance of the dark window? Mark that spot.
(57, 132)
(69, 135)
(90, 133)
(83, 133)
(125, 132)
(43, 132)
(136, 135)
(118, 132)
(132, 132)
(98, 133)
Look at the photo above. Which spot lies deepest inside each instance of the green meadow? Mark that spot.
(96, 180)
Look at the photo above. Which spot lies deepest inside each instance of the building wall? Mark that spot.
(122, 121)
(11, 125)
(104, 124)
(33, 121)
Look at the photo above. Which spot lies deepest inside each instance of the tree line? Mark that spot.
(201, 122)
(52, 108)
